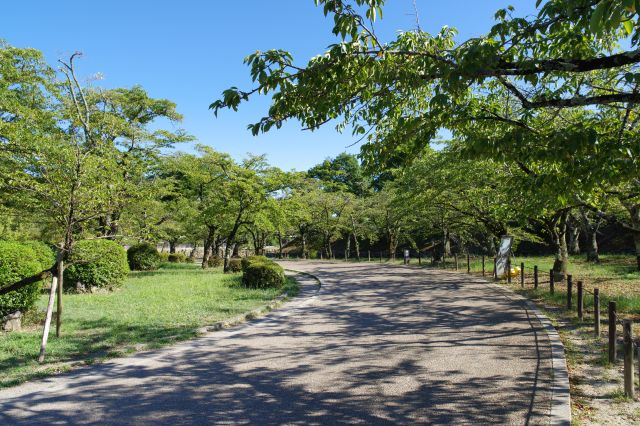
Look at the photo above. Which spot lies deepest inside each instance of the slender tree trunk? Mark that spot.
(280, 245)
(357, 245)
(172, 246)
(303, 238)
(347, 250)
(574, 239)
(60, 269)
(208, 243)
(561, 263)
(446, 243)
(590, 229)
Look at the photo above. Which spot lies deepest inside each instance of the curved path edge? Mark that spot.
(266, 309)
(560, 391)
(560, 413)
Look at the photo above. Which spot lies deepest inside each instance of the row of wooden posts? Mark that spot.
(613, 321)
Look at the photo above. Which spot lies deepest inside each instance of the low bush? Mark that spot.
(266, 274)
(235, 265)
(18, 261)
(214, 262)
(164, 256)
(96, 264)
(143, 257)
(177, 258)
(250, 259)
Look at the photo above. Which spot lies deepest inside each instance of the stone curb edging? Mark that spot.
(560, 413)
(253, 314)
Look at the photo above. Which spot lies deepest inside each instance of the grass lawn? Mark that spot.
(152, 309)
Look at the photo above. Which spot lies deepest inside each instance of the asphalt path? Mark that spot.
(377, 344)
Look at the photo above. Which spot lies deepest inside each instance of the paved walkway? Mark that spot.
(379, 344)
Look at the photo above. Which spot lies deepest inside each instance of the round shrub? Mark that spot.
(250, 259)
(177, 258)
(43, 252)
(96, 264)
(164, 256)
(143, 257)
(235, 265)
(214, 262)
(18, 261)
(263, 275)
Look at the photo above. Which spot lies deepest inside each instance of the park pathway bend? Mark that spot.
(379, 344)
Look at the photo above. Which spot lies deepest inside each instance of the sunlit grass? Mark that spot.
(151, 309)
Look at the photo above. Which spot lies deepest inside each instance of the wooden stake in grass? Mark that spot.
(596, 311)
(483, 265)
(522, 274)
(47, 320)
(552, 288)
(535, 277)
(569, 291)
(628, 359)
(580, 301)
(612, 332)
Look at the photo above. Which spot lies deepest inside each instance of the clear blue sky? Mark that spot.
(188, 51)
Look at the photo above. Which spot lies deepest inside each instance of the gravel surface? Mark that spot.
(378, 344)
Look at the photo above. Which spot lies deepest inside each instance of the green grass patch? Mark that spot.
(152, 309)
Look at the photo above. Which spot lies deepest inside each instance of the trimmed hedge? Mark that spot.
(45, 254)
(96, 263)
(263, 274)
(143, 257)
(235, 265)
(18, 261)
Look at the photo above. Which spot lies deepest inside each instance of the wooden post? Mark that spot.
(380, 257)
(419, 258)
(628, 359)
(552, 288)
(59, 307)
(468, 263)
(483, 273)
(455, 259)
(522, 274)
(509, 271)
(47, 320)
(596, 311)
(535, 277)
(320, 254)
(369, 255)
(569, 291)
(580, 301)
(612, 332)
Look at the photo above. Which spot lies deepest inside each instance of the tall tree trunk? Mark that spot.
(590, 228)
(574, 239)
(303, 237)
(357, 245)
(209, 241)
(347, 250)
(172, 246)
(280, 244)
(561, 263)
(446, 242)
